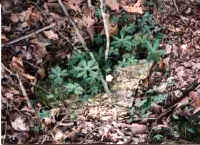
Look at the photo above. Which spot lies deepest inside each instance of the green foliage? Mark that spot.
(153, 52)
(127, 59)
(132, 113)
(85, 69)
(129, 29)
(98, 13)
(74, 88)
(158, 138)
(57, 75)
(80, 76)
(122, 42)
(44, 114)
(152, 97)
(187, 127)
(146, 23)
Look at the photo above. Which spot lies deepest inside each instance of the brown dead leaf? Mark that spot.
(113, 4)
(4, 39)
(59, 136)
(19, 124)
(39, 49)
(14, 18)
(88, 20)
(112, 27)
(195, 96)
(73, 4)
(51, 35)
(17, 64)
(25, 15)
(41, 73)
(138, 128)
(29, 77)
(35, 17)
(136, 8)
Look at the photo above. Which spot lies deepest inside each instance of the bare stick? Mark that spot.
(105, 22)
(105, 85)
(24, 91)
(174, 1)
(30, 35)
(90, 3)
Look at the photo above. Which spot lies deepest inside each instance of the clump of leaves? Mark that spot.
(122, 42)
(153, 52)
(80, 76)
(152, 97)
(146, 23)
(127, 60)
(158, 138)
(187, 127)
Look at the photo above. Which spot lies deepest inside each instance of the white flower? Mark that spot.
(109, 78)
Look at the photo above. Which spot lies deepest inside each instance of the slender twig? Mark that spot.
(174, 1)
(105, 85)
(24, 91)
(105, 22)
(31, 34)
(89, 3)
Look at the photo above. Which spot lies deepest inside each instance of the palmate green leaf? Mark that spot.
(57, 75)
(74, 88)
(44, 114)
(123, 42)
(86, 69)
(153, 52)
(127, 59)
(158, 137)
(128, 30)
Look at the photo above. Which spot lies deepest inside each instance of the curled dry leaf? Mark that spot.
(4, 39)
(138, 128)
(51, 35)
(14, 18)
(59, 136)
(40, 49)
(136, 8)
(73, 4)
(19, 124)
(17, 64)
(112, 28)
(41, 73)
(113, 4)
(195, 96)
(35, 16)
(88, 21)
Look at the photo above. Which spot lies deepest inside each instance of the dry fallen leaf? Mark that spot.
(112, 27)
(4, 39)
(14, 18)
(195, 96)
(89, 22)
(17, 64)
(19, 124)
(51, 35)
(136, 8)
(138, 128)
(73, 4)
(59, 136)
(113, 4)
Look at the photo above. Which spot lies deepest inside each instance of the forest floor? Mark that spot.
(157, 102)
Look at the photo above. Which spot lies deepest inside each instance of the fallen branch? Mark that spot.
(105, 85)
(105, 22)
(31, 34)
